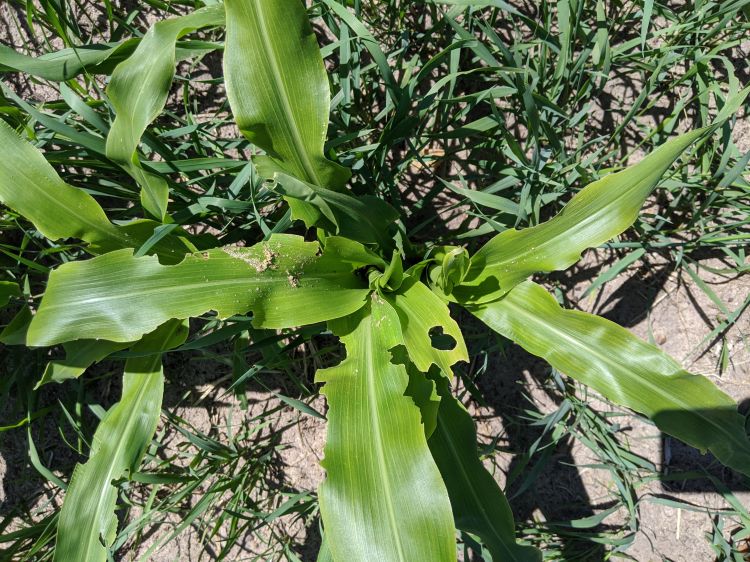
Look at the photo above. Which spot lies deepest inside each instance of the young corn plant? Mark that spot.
(401, 461)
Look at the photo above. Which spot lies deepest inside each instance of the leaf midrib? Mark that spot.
(379, 448)
(590, 218)
(186, 287)
(559, 233)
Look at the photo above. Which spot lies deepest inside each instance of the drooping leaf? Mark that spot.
(383, 498)
(87, 523)
(118, 297)
(68, 63)
(31, 187)
(79, 356)
(479, 505)
(138, 91)
(425, 321)
(278, 89)
(599, 212)
(624, 369)
(101, 58)
(365, 219)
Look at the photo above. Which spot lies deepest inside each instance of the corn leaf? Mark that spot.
(79, 356)
(624, 369)
(119, 297)
(383, 498)
(278, 89)
(87, 523)
(479, 505)
(68, 63)
(600, 211)
(421, 390)
(365, 219)
(425, 316)
(138, 91)
(324, 554)
(15, 332)
(353, 253)
(30, 186)
(99, 58)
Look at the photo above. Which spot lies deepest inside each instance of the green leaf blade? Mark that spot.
(278, 89)
(366, 219)
(87, 523)
(624, 369)
(30, 186)
(79, 356)
(119, 297)
(8, 290)
(138, 91)
(383, 498)
(479, 505)
(421, 312)
(599, 212)
(67, 63)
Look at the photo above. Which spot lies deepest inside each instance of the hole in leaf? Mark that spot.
(399, 355)
(441, 341)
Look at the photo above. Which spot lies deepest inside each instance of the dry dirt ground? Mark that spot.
(650, 299)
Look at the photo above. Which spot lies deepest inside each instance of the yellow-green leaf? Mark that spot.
(383, 498)
(624, 369)
(278, 89)
(87, 523)
(8, 289)
(119, 297)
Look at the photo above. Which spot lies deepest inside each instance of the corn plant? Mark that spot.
(401, 461)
